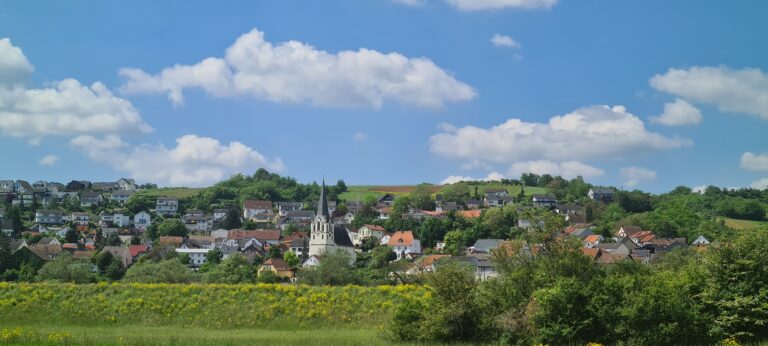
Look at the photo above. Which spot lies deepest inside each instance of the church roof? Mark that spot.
(341, 237)
(322, 205)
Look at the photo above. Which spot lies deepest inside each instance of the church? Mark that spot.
(325, 237)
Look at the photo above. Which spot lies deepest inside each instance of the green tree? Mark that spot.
(232, 220)
(381, 256)
(172, 227)
(421, 197)
(139, 202)
(71, 236)
(66, 269)
(454, 242)
(166, 271)
(214, 256)
(291, 259)
(334, 269)
(274, 252)
(453, 312)
(233, 270)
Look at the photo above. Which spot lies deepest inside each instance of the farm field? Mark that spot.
(742, 225)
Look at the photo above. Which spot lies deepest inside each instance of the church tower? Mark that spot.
(322, 229)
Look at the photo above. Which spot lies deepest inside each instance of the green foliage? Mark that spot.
(233, 270)
(421, 197)
(232, 220)
(381, 256)
(172, 227)
(66, 269)
(140, 201)
(268, 277)
(214, 256)
(165, 271)
(334, 269)
(454, 242)
(291, 259)
(453, 312)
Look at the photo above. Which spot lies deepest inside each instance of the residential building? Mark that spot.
(403, 243)
(122, 253)
(126, 184)
(544, 201)
(386, 200)
(484, 246)
(257, 210)
(7, 186)
(497, 198)
(121, 196)
(278, 267)
(49, 217)
(196, 256)
(368, 231)
(167, 206)
(89, 198)
(142, 220)
(602, 195)
(285, 207)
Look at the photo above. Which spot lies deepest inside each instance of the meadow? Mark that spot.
(170, 314)
(360, 192)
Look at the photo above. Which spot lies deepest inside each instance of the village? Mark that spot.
(286, 237)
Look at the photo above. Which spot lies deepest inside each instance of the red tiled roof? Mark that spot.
(429, 259)
(278, 264)
(261, 235)
(470, 214)
(401, 238)
(171, 240)
(592, 238)
(137, 249)
(375, 228)
(254, 204)
(592, 253)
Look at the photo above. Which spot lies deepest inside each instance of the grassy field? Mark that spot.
(742, 225)
(142, 335)
(360, 192)
(198, 314)
(178, 192)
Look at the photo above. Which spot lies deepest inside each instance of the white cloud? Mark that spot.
(742, 91)
(493, 176)
(14, 66)
(410, 2)
(499, 40)
(360, 136)
(194, 161)
(754, 162)
(481, 5)
(699, 188)
(66, 108)
(295, 72)
(596, 132)
(48, 160)
(634, 175)
(567, 170)
(761, 184)
(678, 113)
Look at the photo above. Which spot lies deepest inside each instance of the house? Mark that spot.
(197, 221)
(176, 242)
(311, 261)
(602, 195)
(594, 253)
(367, 231)
(325, 237)
(254, 209)
(297, 245)
(167, 206)
(497, 198)
(567, 209)
(103, 186)
(138, 250)
(384, 212)
(126, 184)
(89, 198)
(591, 241)
(700, 241)
(49, 217)
(426, 264)
(543, 201)
(345, 219)
(81, 220)
(484, 246)
(219, 214)
(49, 241)
(643, 237)
(40, 184)
(121, 253)
(403, 243)
(386, 200)
(611, 258)
(447, 206)
(45, 252)
(283, 208)
(474, 203)
(278, 267)
(121, 196)
(7, 186)
(197, 257)
(575, 219)
(22, 186)
(482, 265)
(142, 220)
(55, 187)
(626, 231)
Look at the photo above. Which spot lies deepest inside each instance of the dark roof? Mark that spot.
(24, 184)
(301, 214)
(341, 237)
(545, 197)
(606, 191)
(322, 204)
(90, 194)
(254, 204)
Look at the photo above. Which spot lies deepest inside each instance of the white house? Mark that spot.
(142, 220)
(367, 231)
(252, 208)
(167, 206)
(120, 196)
(403, 243)
(196, 256)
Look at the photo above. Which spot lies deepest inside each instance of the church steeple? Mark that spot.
(322, 205)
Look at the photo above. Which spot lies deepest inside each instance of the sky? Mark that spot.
(638, 94)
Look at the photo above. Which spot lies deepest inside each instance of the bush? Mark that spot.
(166, 271)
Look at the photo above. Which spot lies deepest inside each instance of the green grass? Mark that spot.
(742, 225)
(361, 192)
(178, 192)
(144, 335)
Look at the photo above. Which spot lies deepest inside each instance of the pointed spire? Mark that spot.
(322, 205)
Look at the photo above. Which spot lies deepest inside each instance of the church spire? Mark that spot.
(322, 205)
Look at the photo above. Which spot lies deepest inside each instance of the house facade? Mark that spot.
(167, 206)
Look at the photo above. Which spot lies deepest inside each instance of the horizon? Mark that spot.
(631, 95)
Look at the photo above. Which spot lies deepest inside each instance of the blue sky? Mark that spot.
(386, 92)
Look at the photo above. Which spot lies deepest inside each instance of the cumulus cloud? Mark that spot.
(499, 40)
(567, 170)
(452, 179)
(754, 162)
(14, 66)
(482, 5)
(678, 113)
(48, 160)
(66, 108)
(731, 90)
(634, 175)
(596, 132)
(699, 189)
(194, 161)
(295, 72)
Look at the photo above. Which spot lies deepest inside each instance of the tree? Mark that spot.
(454, 242)
(421, 197)
(249, 224)
(381, 256)
(268, 277)
(166, 271)
(233, 270)
(274, 252)
(214, 256)
(135, 240)
(113, 240)
(232, 220)
(139, 202)
(454, 313)
(13, 213)
(590, 214)
(66, 269)
(185, 259)
(71, 236)
(109, 266)
(291, 259)
(172, 227)
(334, 269)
